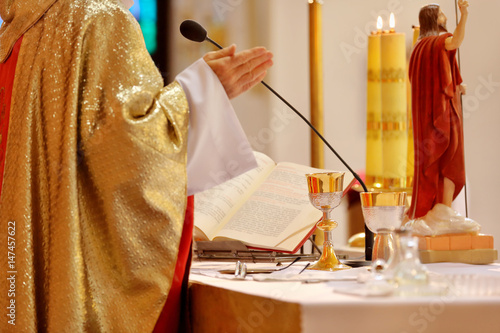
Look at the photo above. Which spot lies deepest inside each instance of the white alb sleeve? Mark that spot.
(218, 148)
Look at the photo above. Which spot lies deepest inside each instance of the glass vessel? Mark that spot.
(384, 246)
(410, 275)
(397, 254)
(383, 213)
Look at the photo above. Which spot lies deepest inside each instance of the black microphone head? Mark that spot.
(192, 30)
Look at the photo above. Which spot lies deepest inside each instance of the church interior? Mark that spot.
(283, 27)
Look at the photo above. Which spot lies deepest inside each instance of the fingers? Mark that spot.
(250, 73)
(259, 62)
(225, 52)
(463, 6)
(257, 68)
(463, 88)
(254, 82)
(240, 71)
(248, 55)
(244, 85)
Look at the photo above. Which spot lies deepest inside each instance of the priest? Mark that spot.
(437, 115)
(97, 159)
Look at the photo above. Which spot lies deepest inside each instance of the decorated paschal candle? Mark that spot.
(374, 173)
(394, 108)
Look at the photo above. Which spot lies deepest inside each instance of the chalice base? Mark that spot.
(329, 261)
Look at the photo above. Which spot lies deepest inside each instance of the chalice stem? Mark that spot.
(326, 215)
(328, 254)
(328, 234)
(328, 260)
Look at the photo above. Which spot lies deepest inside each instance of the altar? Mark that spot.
(225, 304)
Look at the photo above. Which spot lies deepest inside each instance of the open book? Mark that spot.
(265, 208)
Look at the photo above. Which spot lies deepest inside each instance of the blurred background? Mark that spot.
(282, 27)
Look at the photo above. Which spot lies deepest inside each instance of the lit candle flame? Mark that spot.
(380, 24)
(392, 21)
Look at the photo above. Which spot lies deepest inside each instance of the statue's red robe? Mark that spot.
(437, 121)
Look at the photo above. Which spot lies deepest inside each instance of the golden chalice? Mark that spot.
(325, 193)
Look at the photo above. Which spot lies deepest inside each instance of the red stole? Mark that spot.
(170, 316)
(7, 74)
(437, 121)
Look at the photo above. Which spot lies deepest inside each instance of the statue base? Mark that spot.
(477, 257)
(446, 236)
(463, 248)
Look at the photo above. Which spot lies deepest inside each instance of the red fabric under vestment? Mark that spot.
(437, 121)
(7, 73)
(172, 318)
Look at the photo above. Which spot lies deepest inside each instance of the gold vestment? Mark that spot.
(95, 176)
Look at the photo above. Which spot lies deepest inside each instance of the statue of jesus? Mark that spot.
(437, 116)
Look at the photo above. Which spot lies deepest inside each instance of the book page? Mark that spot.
(277, 209)
(292, 241)
(214, 207)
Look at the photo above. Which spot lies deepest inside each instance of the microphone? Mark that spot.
(195, 32)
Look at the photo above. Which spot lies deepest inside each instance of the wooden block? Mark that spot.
(429, 256)
(424, 243)
(482, 242)
(437, 243)
(440, 243)
(483, 256)
(460, 242)
(479, 256)
(455, 242)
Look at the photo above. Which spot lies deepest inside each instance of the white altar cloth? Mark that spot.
(321, 309)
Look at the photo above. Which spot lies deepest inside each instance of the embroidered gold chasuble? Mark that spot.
(95, 178)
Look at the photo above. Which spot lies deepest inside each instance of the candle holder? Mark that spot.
(325, 193)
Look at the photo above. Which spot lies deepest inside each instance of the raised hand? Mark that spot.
(239, 71)
(463, 5)
(456, 40)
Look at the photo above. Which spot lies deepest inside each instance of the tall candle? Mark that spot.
(316, 81)
(374, 174)
(394, 108)
(316, 89)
